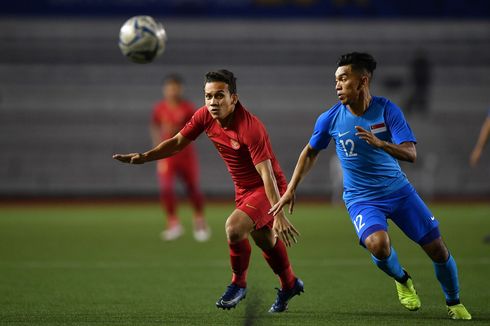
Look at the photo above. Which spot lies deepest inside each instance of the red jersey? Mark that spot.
(242, 145)
(171, 120)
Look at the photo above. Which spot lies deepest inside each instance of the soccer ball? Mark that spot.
(142, 39)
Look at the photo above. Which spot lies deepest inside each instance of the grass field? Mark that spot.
(105, 265)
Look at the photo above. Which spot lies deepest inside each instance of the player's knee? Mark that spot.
(233, 232)
(378, 245)
(437, 251)
(264, 238)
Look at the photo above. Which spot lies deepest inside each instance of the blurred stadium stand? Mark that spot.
(69, 99)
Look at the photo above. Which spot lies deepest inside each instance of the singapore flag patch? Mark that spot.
(379, 127)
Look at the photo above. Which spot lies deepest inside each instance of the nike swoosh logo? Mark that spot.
(343, 134)
(250, 206)
(432, 218)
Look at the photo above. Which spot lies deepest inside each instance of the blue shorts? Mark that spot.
(404, 207)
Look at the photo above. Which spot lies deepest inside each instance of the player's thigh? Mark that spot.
(367, 219)
(189, 174)
(256, 205)
(415, 219)
(166, 174)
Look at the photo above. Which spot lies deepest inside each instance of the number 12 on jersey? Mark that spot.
(349, 143)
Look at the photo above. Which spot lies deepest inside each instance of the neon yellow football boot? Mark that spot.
(407, 295)
(458, 311)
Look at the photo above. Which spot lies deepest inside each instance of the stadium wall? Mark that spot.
(68, 99)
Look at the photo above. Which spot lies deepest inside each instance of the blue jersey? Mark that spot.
(369, 172)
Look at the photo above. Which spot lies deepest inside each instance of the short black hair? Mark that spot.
(224, 76)
(361, 62)
(173, 78)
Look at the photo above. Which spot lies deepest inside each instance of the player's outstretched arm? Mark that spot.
(282, 228)
(306, 160)
(165, 149)
(480, 144)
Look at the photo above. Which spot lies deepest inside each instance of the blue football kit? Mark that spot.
(375, 188)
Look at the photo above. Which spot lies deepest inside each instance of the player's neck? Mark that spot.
(359, 107)
(227, 121)
(173, 103)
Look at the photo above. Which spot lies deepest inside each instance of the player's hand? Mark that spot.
(284, 230)
(132, 158)
(287, 198)
(369, 137)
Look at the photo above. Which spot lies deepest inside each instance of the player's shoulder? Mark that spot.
(159, 106)
(203, 110)
(249, 126)
(245, 118)
(385, 103)
(390, 109)
(202, 114)
(328, 115)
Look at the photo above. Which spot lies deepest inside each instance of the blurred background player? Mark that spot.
(169, 116)
(420, 81)
(371, 135)
(244, 145)
(481, 142)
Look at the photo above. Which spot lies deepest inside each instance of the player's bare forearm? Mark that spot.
(484, 134)
(165, 149)
(267, 174)
(481, 142)
(282, 228)
(306, 160)
(405, 151)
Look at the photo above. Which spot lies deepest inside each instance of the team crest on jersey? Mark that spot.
(379, 127)
(234, 144)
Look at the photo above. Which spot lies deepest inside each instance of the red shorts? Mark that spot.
(256, 205)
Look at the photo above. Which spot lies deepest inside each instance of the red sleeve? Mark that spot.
(196, 125)
(257, 141)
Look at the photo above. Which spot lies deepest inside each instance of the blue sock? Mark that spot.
(447, 274)
(391, 266)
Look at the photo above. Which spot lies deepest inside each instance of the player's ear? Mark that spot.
(234, 98)
(364, 81)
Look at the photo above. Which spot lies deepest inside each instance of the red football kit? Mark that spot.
(183, 164)
(242, 145)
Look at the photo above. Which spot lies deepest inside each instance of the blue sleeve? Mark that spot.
(321, 134)
(397, 125)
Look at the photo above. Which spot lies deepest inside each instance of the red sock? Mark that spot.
(278, 260)
(239, 258)
(172, 220)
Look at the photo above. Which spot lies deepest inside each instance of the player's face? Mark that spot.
(219, 101)
(348, 84)
(172, 91)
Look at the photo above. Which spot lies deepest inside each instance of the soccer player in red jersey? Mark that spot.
(243, 143)
(169, 116)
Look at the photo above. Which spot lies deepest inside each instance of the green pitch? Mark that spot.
(105, 265)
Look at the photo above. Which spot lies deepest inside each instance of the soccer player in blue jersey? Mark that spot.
(371, 135)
